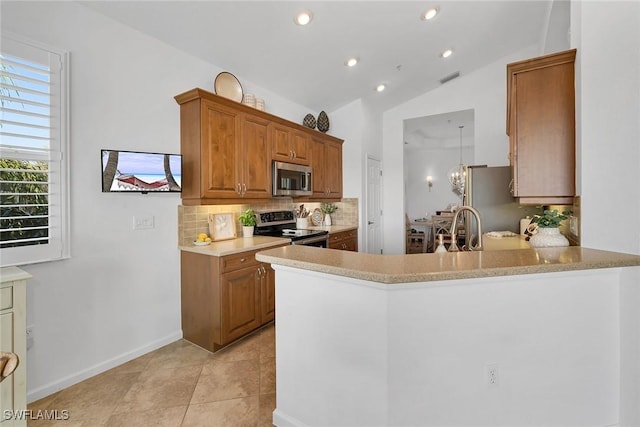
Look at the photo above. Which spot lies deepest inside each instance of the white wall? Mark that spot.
(417, 353)
(119, 294)
(484, 91)
(347, 124)
(608, 131)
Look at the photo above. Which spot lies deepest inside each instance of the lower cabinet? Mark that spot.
(13, 325)
(224, 298)
(344, 240)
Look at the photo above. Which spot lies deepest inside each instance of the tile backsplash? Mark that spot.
(195, 219)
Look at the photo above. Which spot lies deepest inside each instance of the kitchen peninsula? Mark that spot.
(365, 339)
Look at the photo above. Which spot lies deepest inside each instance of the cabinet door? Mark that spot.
(545, 125)
(300, 147)
(317, 164)
(240, 308)
(268, 294)
(6, 386)
(281, 150)
(220, 151)
(541, 128)
(333, 169)
(290, 145)
(256, 165)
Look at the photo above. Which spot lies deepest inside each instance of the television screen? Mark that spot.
(138, 172)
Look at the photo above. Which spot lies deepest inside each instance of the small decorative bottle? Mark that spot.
(454, 246)
(440, 249)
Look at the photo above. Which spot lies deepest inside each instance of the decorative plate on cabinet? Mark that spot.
(316, 217)
(323, 122)
(309, 121)
(228, 86)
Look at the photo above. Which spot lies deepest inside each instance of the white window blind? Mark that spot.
(33, 167)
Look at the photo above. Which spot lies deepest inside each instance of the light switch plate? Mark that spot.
(143, 222)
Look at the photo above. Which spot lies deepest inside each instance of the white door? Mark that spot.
(374, 206)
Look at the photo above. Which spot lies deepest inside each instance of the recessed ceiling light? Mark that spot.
(380, 87)
(447, 53)
(303, 18)
(351, 62)
(429, 14)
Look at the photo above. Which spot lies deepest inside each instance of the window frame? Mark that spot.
(58, 246)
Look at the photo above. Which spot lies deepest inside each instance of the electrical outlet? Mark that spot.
(30, 336)
(492, 375)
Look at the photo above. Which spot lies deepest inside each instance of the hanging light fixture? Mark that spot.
(457, 174)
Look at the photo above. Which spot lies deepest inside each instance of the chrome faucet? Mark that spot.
(454, 225)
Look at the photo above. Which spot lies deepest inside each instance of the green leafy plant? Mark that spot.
(248, 218)
(328, 208)
(551, 218)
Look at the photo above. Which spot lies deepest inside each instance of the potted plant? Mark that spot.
(548, 233)
(248, 221)
(327, 209)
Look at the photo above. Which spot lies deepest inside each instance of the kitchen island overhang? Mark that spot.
(358, 346)
(398, 269)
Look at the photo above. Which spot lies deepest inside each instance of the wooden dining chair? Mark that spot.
(416, 240)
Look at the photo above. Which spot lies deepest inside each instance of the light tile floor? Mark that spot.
(179, 385)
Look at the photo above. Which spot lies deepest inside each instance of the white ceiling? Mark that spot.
(258, 41)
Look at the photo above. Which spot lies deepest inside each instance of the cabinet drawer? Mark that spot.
(6, 298)
(237, 261)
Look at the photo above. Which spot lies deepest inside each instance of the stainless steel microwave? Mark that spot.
(291, 180)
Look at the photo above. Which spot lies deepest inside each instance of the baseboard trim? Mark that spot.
(62, 383)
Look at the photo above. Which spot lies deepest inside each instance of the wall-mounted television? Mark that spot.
(141, 172)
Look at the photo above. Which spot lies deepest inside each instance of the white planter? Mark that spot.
(327, 219)
(548, 238)
(247, 231)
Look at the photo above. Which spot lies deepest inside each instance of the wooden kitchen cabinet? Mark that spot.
(326, 161)
(224, 152)
(13, 325)
(541, 128)
(228, 148)
(224, 298)
(290, 145)
(344, 240)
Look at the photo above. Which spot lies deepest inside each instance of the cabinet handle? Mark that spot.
(238, 188)
(295, 155)
(243, 259)
(264, 271)
(291, 154)
(244, 189)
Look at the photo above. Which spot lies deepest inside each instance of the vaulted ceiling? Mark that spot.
(259, 42)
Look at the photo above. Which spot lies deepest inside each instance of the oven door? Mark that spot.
(318, 241)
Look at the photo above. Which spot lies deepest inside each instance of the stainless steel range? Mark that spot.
(283, 224)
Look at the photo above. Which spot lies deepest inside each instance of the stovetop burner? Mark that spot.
(282, 224)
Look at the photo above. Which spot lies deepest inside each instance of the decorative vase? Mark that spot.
(247, 231)
(323, 122)
(548, 237)
(327, 219)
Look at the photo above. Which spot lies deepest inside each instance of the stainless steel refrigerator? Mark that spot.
(487, 189)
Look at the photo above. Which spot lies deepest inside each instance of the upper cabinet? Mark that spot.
(290, 145)
(326, 160)
(541, 128)
(228, 148)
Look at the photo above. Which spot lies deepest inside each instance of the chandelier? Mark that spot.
(457, 174)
